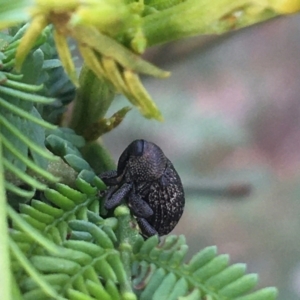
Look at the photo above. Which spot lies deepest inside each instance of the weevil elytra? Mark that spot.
(146, 178)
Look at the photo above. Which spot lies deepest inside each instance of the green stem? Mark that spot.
(194, 17)
(34, 147)
(26, 115)
(93, 99)
(5, 275)
(23, 86)
(98, 157)
(28, 162)
(25, 96)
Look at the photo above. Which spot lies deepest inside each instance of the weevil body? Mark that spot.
(151, 185)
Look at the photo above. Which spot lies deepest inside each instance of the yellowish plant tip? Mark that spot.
(91, 60)
(286, 6)
(159, 117)
(27, 42)
(65, 56)
(166, 74)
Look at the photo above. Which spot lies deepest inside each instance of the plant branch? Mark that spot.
(194, 17)
(93, 98)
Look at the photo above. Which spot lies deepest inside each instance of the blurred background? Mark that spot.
(232, 120)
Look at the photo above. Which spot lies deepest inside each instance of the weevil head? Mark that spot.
(142, 161)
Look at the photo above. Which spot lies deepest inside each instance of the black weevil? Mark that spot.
(151, 185)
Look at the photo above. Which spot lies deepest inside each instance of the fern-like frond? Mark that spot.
(87, 263)
(56, 84)
(22, 130)
(159, 272)
(87, 260)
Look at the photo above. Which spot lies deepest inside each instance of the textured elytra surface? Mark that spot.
(151, 185)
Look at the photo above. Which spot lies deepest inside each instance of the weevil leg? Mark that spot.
(115, 197)
(146, 228)
(108, 192)
(138, 206)
(108, 174)
(110, 177)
